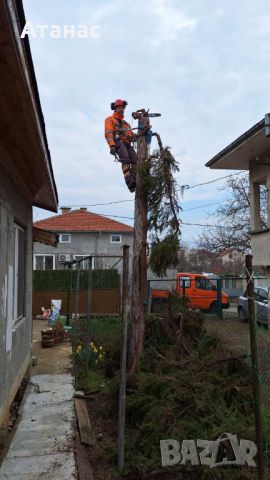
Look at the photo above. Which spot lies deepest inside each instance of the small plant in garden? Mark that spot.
(90, 355)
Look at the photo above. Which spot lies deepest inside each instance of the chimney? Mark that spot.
(83, 208)
(65, 209)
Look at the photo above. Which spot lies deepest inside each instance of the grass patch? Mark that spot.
(89, 381)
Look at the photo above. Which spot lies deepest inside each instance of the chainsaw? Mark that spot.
(144, 127)
(144, 113)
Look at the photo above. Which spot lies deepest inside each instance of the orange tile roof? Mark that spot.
(82, 221)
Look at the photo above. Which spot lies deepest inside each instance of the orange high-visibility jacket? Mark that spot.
(115, 127)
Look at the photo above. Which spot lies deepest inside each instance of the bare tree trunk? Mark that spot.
(139, 273)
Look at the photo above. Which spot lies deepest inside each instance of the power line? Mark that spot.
(188, 187)
(203, 206)
(98, 204)
(212, 226)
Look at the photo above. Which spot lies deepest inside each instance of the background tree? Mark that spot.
(232, 225)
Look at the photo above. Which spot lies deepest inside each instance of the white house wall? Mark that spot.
(15, 339)
(90, 243)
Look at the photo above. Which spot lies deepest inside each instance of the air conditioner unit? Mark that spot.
(63, 257)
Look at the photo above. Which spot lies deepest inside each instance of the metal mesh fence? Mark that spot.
(225, 304)
(225, 317)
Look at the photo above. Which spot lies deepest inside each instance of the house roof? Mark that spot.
(245, 148)
(82, 221)
(26, 143)
(225, 252)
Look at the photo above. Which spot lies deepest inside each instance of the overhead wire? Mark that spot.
(187, 187)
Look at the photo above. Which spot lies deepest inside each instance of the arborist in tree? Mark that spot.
(119, 136)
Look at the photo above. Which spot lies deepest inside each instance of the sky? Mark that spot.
(204, 65)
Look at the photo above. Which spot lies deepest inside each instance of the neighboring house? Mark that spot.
(82, 233)
(251, 151)
(26, 179)
(231, 257)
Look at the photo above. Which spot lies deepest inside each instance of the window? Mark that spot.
(64, 238)
(116, 239)
(192, 257)
(19, 272)
(84, 265)
(230, 256)
(44, 262)
(227, 283)
(184, 281)
(262, 295)
(204, 284)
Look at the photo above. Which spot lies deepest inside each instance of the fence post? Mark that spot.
(149, 296)
(219, 298)
(123, 366)
(184, 288)
(89, 290)
(77, 291)
(255, 366)
(68, 292)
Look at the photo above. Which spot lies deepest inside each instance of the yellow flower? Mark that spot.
(100, 348)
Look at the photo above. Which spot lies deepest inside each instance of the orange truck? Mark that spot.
(200, 291)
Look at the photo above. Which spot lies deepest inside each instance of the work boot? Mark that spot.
(131, 182)
(130, 178)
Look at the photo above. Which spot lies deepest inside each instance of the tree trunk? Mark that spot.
(139, 272)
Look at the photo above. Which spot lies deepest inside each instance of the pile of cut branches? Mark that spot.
(184, 389)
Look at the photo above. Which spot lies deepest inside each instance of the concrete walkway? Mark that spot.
(43, 445)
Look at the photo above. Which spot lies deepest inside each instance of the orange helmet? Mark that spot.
(118, 103)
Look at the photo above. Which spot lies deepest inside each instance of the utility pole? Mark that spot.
(123, 366)
(139, 271)
(255, 367)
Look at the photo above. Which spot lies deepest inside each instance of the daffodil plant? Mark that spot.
(91, 354)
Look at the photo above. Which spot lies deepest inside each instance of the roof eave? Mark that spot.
(47, 197)
(226, 158)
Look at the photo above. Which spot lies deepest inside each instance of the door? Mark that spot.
(185, 287)
(205, 293)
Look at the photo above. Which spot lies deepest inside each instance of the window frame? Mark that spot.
(64, 241)
(43, 255)
(116, 235)
(206, 282)
(187, 281)
(17, 265)
(75, 257)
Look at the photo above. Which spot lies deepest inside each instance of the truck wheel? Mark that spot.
(213, 307)
(241, 315)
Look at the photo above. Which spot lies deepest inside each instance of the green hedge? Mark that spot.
(62, 279)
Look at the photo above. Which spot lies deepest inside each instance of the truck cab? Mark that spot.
(200, 290)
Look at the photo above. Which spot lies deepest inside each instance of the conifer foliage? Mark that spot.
(163, 210)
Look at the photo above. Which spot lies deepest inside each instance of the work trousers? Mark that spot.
(126, 153)
(128, 157)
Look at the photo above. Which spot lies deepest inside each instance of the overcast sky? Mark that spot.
(203, 64)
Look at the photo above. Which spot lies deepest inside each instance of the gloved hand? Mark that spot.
(112, 150)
